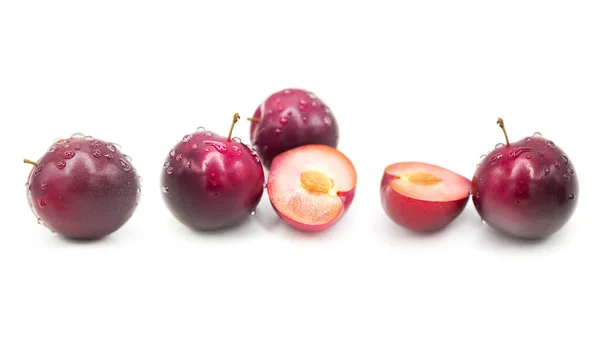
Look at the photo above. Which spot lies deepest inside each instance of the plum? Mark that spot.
(290, 118)
(423, 197)
(83, 188)
(211, 182)
(526, 189)
(311, 187)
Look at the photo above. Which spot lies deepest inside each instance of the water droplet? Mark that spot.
(187, 138)
(128, 158)
(27, 184)
(528, 156)
(236, 139)
(312, 95)
(516, 152)
(95, 143)
(494, 159)
(61, 165)
(528, 139)
(194, 146)
(537, 134)
(200, 129)
(287, 92)
(550, 144)
(138, 190)
(289, 113)
(44, 186)
(109, 156)
(52, 148)
(253, 212)
(302, 104)
(179, 157)
(327, 120)
(165, 189)
(278, 131)
(283, 121)
(124, 164)
(166, 164)
(67, 144)
(172, 153)
(499, 146)
(237, 150)
(482, 156)
(68, 154)
(170, 170)
(327, 109)
(42, 203)
(111, 147)
(77, 148)
(314, 103)
(77, 135)
(222, 148)
(304, 119)
(214, 182)
(564, 158)
(476, 166)
(557, 164)
(206, 149)
(280, 108)
(483, 222)
(208, 133)
(480, 180)
(546, 171)
(567, 177)
(88, 137)
(571, 196)
(541, 154)
(188, 164)
(37, 170)
(571, 171)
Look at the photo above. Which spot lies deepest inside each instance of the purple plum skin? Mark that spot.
(210, 182)
(291, 118)
(83, 188)
(528, 189)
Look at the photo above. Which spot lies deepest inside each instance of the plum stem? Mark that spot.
(254, 119)
(501, 123)
(27, 161)
(236, 117)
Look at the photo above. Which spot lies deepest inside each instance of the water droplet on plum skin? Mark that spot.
(68, 154)
(187, 138)
(499, 145)
(550, 144)
(283, 121)
(52, 149)
(571, 196)
(125, 165)
(567, 177)
(111, 147)
(44, 186)
(165, 189)
(61, 165)
(236, 139)
(537, 134)
(179, 157)
(200, 129)
(170, 170)
(564, 158)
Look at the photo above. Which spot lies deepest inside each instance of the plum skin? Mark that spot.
(83, 189)
(527, 189)
(291, 118)
(418, 215)
(210, 182)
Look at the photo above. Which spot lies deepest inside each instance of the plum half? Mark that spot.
(290, 118)
(312, 187)
(526, 189)
(423, 197)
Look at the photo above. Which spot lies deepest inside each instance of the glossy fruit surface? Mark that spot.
(527, 189)
(312, 187)
(290, 118)
(83, 188)
(211, 182)
(421, 196)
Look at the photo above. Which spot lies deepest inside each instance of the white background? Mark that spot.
(411, 80)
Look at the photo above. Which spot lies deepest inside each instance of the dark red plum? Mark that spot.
(83, 188)
(211, 182)
(288, 119)
(527, 189)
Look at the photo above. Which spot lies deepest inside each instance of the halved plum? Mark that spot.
(423, 197)
(312, 186)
